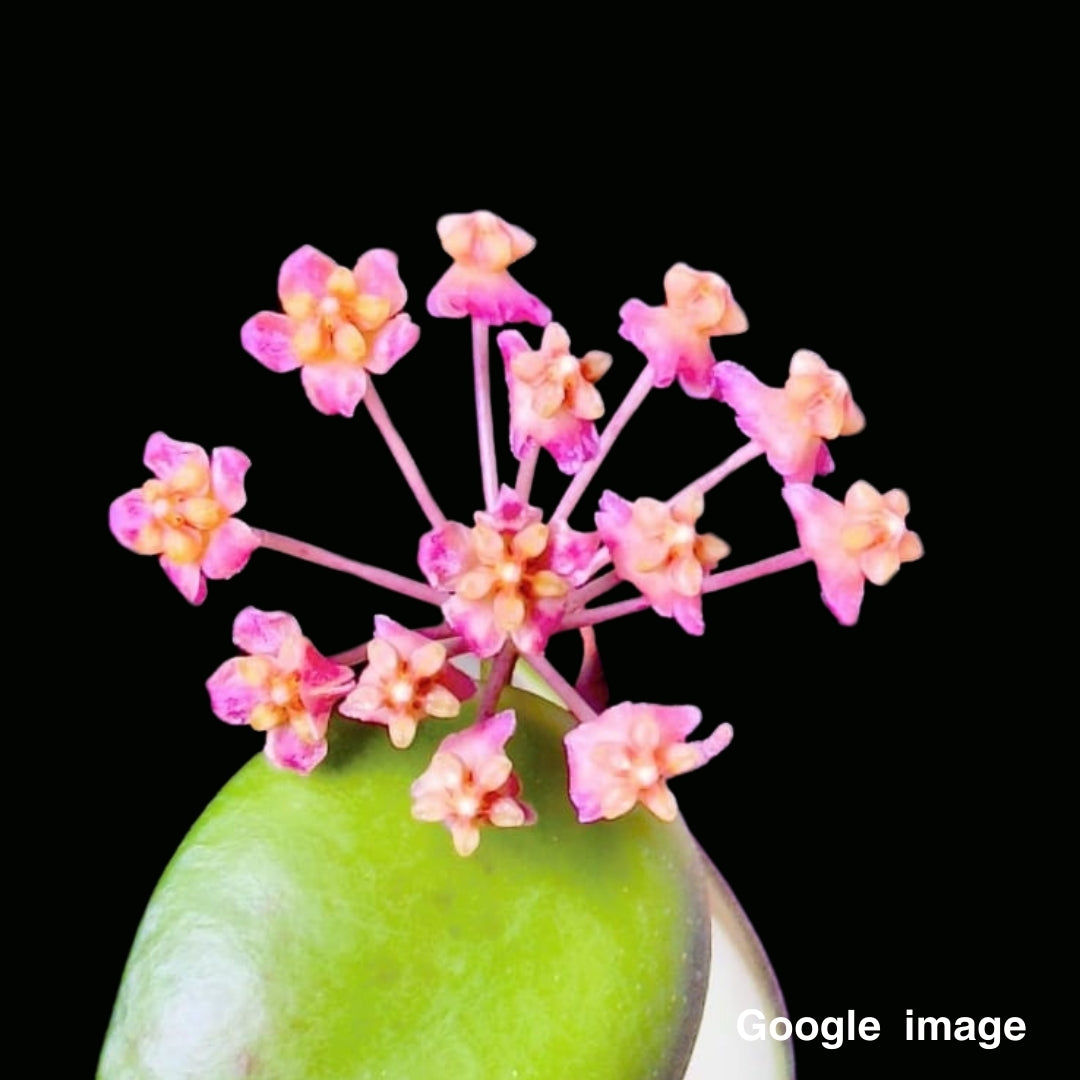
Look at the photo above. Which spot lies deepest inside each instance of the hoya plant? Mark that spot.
(453, 858)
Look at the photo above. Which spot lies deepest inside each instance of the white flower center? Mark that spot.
(401, 692)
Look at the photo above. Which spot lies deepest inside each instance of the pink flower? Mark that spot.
(510, 574)
(655, 547)
(552, 398)
(792, 423)
(627, 754)
(862, 539)
(478, 283)
(407, 678)
(339, 325)
(470, 782)
(185, 514)
(285, 687)
(675, 337)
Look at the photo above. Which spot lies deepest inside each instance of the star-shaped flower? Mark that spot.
(675, 337)
(862, 539)
(478, 283)
(285, 687)
(792, 422)
(510, 574)
(407, 679)
(629, 752)
(655, 546)
(339, 325)
(553, 401)
(470, 783)
(185, 514)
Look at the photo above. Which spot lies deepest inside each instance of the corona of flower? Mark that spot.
(629, 752)
(553, 402)
(516, 577)
(284, 687)
(470, 783)
(654, 545)
(510, 574)
(407, 679)
(184, 515)
(792, 423)
(675, 337)
(862, 539)
(339, 326)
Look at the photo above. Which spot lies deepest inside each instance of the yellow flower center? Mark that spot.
(340, 325)
(184, 514)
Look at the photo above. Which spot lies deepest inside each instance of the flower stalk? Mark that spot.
(485, 428)
(627, 407)
(405, 461)
(386, 579)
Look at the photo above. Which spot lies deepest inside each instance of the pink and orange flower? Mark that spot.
(510, 575)
(284, 687)
(470, 783)
(553, 402)
(184, 515)
(627, 755)
(478, 283)
(339, 326)
(407, 679)
(655, 546)
(862, 539)
(675, 336)
(793, 422)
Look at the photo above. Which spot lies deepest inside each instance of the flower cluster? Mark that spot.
(510, 581)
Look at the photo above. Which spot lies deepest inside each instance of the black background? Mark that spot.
(872, 813)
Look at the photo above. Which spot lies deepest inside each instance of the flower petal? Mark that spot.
(445, 554)
(263, 633)
(479, 743)
(476, 623)
(166, 457)
(187, 577)
(544, 616)
(322, 682)
(494, 297)
(268, 336)
(229, 549)
(129, 518)
(233, 692)
(288, 751)
(570, 553)
(511, 345)
(306, 270)
(390, 343)
(376, 273)
(228, 467)
(511, 513)
(572, 443)
(335, 387)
